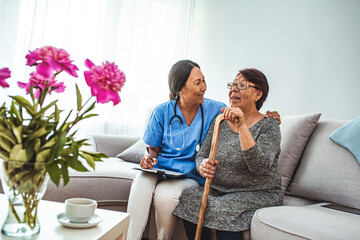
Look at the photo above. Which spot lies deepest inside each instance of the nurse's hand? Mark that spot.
(146, 162)
(208, 169)
(275, 115)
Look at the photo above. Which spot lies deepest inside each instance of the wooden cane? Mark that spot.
(214, 144)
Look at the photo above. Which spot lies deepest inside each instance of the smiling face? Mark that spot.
(194, 89)
(245, 99)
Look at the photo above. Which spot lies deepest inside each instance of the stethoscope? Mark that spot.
(197, 148)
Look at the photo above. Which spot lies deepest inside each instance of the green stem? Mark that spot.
(30, 203)
(77, 114)
(12, 209)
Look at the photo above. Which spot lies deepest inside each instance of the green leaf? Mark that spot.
(5, 144)
(78, 98)
(97, 155)
(4, 155)
(89, 159)
(91, 107)
(21, 101)
(75, 164)
(64, 172)
(57, 114)
(25, 104)
(65, 125)
(17, 153)
(37, 145)
(17, 113)
(72, 158)
(29, 151)
(43, 155)
(58, 147)
(89, 116)
(42, 131)
(66, 152)
(31, 91)
(5, 133)
(17, 132)
(43, 109)
(50, 143)
(54, 172)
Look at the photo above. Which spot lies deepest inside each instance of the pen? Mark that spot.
(148, 151)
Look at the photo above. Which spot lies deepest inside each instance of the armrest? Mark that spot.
(111, 144)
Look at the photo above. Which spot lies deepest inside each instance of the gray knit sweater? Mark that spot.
(244, 182)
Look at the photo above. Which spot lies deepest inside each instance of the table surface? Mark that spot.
(114, 223)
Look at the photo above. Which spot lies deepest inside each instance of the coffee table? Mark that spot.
(113, 227)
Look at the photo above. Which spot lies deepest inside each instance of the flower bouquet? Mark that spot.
(36, 143)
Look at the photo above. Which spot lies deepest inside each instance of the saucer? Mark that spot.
(94, 220)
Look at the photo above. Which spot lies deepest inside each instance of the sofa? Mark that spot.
(315, 172)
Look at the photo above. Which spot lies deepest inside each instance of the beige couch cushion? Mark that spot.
(327, 172)
(109, 185)
(307, 222)
(295, 133)
(134, 153)
(297, 201)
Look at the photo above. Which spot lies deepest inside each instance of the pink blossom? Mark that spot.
(39, 83)
(4, 74)
(105, 81)
(49, 59)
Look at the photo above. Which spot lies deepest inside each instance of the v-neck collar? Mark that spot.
(179, 112)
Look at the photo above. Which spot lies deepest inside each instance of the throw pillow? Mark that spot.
(348, 136)
(295, 133)
(134, 153)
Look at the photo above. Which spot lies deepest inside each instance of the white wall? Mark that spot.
(8, 27)
(308, 49)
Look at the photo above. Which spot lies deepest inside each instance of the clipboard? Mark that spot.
(160, 171)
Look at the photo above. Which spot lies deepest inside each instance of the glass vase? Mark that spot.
(24, 184)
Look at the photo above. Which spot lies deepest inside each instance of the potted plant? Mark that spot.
(36, 143)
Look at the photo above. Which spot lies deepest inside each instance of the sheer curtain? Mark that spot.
(143, 37)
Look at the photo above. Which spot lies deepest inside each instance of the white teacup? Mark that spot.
(80, 210)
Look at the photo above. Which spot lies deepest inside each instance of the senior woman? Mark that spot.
(175, 131)
(245, 174)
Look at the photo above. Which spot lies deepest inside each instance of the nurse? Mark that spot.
(174, 134)
(175, 131)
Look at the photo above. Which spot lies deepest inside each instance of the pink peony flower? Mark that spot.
(105, 81)
(4, 74)
(40, 82)
(49, 59)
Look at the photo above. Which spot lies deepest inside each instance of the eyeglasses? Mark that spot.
(240, 86)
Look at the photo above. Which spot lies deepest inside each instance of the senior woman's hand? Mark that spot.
(207, 169)
(234, 115)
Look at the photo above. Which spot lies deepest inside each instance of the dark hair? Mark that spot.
(259, 79)
(178, 75)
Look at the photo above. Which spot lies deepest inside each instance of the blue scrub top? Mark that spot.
(157, 134)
